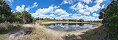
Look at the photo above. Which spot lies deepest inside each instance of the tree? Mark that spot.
(26, 16)
(5, 11)
(110, 19)
(7, 15)
(18, 17)
(81, 20)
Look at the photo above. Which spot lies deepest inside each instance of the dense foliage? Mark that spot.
(7, 15)
(110, 19)
(5, 11)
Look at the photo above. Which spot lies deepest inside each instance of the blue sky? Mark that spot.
(60, 9)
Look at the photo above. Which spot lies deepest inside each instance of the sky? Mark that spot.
(60, 9)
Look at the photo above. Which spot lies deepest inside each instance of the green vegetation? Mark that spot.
(9, 21)
(110, 19)
(7, 15)
(24, 17)
(5, 11)
(49, 19)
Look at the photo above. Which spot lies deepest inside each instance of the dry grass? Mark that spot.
(38, 34)
(3, 36)
(8, 27)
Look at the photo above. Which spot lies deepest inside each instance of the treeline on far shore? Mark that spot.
(70, 20)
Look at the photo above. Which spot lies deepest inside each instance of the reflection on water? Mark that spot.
(69, 27)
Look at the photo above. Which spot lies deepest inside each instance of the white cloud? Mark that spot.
(77, 6)
(10, 1)
(103, 6)
(50, 9)
(88, 18)
(96, 7)
(86, 1)
(52, 15)
(73, 7)
(44, 11)
(61, 12)
(53, 12)
(85, 9)
(81, 11)
(72, 1)
(28, 8)
(95, 14)
(84, 17)
(80, 6)
(69, 1)
(22, 7)
(86, 12)
(99, 1)
(35, 4)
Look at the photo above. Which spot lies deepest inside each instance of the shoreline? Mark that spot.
(50, 22)
(59, 34)
(40, 32)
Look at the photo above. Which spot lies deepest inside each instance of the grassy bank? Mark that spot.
(39, 32)
(3, 36)
(42, 33)
(8, 27)
(13, 31)
(99, 33)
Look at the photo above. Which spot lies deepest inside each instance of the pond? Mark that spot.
(69, 26)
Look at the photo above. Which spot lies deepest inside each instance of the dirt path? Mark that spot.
(19, 34)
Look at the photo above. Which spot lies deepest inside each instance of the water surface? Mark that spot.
(69, 26)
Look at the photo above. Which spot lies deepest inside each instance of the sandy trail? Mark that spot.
(19, 34)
